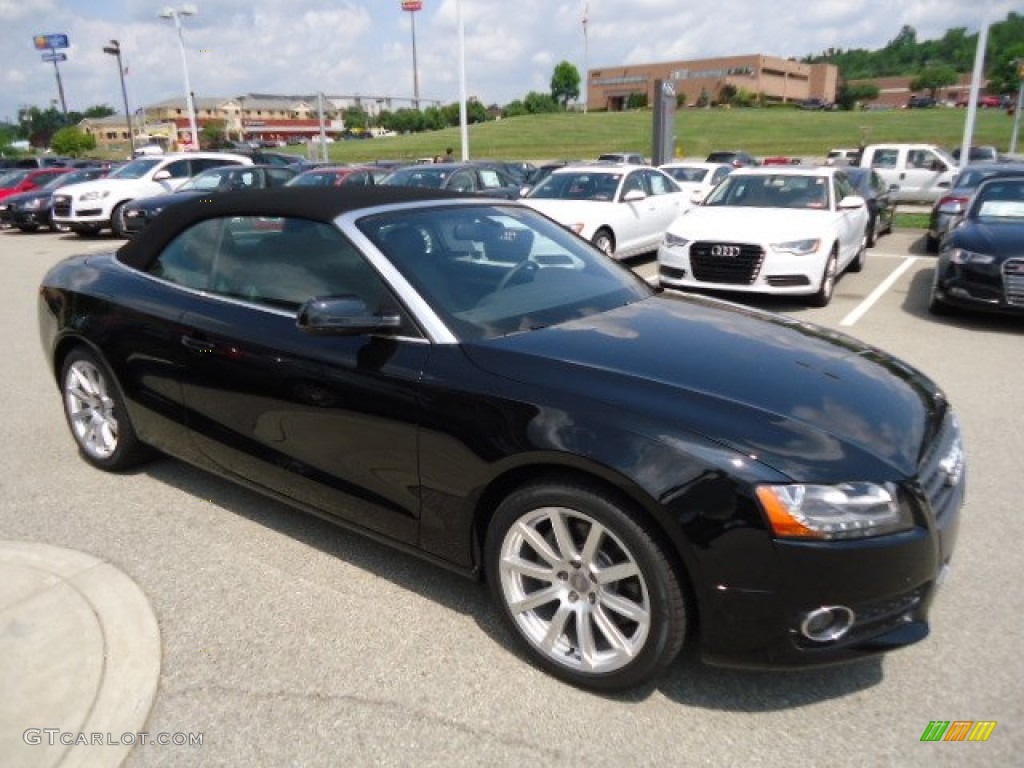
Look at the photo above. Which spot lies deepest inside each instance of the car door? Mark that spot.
(851, 223)
(667, 202)
(329, 420)
(632, 217)
(888, 163)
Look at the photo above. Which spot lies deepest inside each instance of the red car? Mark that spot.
(14, 182)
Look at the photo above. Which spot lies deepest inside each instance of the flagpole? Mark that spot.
(586, 59)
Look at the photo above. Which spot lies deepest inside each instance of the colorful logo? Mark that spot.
(958, 730)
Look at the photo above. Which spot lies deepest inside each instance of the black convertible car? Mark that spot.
(464, 378)
(981, 264)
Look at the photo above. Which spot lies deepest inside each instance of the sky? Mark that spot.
(364, 47)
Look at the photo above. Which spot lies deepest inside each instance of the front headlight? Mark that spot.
(961, 256)
(674, 241)
(98, 195)
(33, 204)
(797, 247)
(844, 511)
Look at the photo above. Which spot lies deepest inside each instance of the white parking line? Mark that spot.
(876, 294)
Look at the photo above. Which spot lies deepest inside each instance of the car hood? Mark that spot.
(104, 185)
(775, 225)
(159, 201)
(561, 210)
(813, 404)
(998, 238)
(32, 194)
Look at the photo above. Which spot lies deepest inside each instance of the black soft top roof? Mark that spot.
(314, 203)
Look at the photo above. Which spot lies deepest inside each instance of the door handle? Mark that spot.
(197, 345)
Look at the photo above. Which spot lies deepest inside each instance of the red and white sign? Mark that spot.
(412, 5)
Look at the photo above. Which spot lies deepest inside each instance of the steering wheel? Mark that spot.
(518, 269)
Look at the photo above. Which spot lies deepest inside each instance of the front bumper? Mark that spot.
(996, 288)
(887, 583)
(757, 269)
(37, 218)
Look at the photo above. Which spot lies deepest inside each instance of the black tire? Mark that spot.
(28, 227)
(96, 415)
(117, 220)
(872, 232)
(613, 631)
(85, 230)
(938, 307)
(604, 241)
(823, 295)
(931, 244)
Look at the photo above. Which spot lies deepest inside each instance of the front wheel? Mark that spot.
(28, 227)
(117, 220)
(604, 241)
(585, 586)
(96, 415)
(828, 282)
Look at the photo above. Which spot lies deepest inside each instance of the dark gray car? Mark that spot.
(952, 205)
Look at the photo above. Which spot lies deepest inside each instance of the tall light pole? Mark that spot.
(463, 122)
(175, 14)
(114, 49)
(586, 59)
(1018, 66)
(412, 6)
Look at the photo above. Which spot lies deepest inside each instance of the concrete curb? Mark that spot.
(81, 658)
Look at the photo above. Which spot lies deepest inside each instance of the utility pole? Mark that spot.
(1019, 66)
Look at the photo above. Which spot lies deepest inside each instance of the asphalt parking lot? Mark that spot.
(286, 641)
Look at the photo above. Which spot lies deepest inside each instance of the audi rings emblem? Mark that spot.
(725, 251)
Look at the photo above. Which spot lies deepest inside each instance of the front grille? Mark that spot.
(62, 205)
(941, 474)
(729, 263)
(1013, 281)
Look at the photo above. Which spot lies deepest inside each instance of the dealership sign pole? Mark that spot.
(412, 6)
(51, 43)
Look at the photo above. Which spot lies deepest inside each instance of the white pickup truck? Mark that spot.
(920, 173)
(88, 207)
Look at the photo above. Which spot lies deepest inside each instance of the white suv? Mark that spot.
(88, 207)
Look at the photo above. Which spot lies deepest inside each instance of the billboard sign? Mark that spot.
(44, 42)
(412, 5)
(55, 57)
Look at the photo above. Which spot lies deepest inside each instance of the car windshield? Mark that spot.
(972, 177)
(12, 179)
(431, 178)
(771, 191)
(493, 270)
(136, 169)
(687, 174)
(1000, 199)
(62, 180)
(577, 185)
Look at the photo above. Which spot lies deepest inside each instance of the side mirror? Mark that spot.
(851, 202)
(633, 196)
(697, 196)
(343, 316)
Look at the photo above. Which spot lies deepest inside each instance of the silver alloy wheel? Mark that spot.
(828, 280)
(90, 409)
(574, 590)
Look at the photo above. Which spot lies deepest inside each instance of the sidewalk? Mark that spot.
(79, 658)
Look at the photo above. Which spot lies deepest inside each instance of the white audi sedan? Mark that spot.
(622, 209)
(788, 231)
(694, 177)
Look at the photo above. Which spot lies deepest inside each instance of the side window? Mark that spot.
(179, 169)
(843, 188)
(885, 158)
(277, 177)
(920, 158)
(658, 184)
(296, 260)
(490, 179)
(188, 259)
(720, 174)
(200, 164)
(461, 181)
(633, 182)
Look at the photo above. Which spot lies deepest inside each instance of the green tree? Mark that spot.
(1004, 76)
(356, 119)
(213, 134)
(848, 96)
(636, 100)
(71, 140)
(565, 84)
(540, 103)
(934, 77)
(99, 110)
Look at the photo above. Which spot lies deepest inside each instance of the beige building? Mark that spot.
(111, 133)
(769, 78)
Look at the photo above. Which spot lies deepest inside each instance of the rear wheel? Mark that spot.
(584, 585)
(28, 227)
(872, 236)
(96, 415)
(86, 230)
(862, 254)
